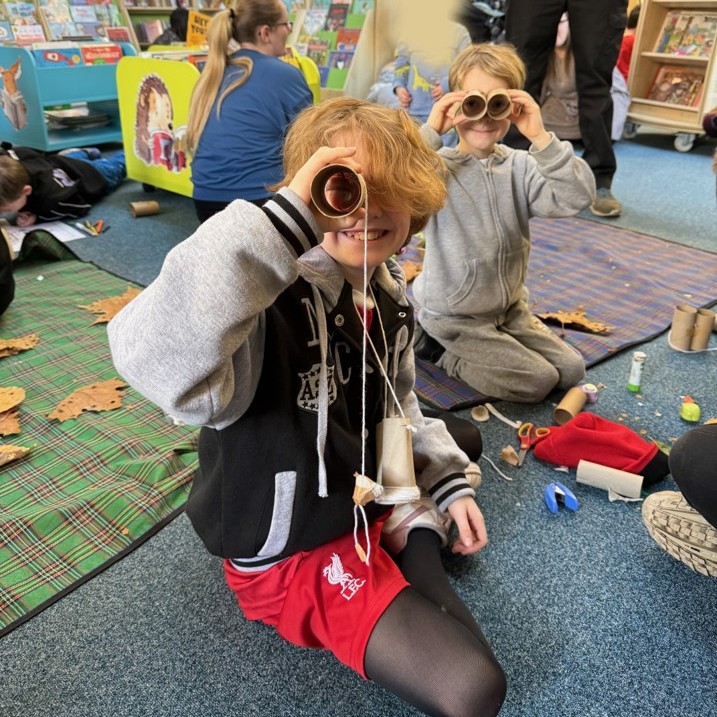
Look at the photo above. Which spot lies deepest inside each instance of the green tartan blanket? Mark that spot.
(94, 487)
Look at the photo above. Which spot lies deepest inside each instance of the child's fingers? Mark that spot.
(301, 183)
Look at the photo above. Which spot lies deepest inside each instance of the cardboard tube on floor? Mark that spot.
(683, 326)
(626, 484)
(144, 209)
(704, 323)
(572, 403)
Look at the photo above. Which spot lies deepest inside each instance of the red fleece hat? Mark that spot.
(593, 438)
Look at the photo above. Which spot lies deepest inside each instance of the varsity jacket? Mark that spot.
(250, 331)
(477, 246)
(62, 187)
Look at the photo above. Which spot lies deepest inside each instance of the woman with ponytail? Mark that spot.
(242, 106)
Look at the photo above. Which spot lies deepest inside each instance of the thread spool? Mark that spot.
(683, 326)
(572, 403)
(337, 191)
(144, 209)
(704, 325)
(622, 482)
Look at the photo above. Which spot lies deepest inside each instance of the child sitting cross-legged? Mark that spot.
(254, 330)
(473, 302)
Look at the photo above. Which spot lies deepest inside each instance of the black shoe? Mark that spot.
(426, 347)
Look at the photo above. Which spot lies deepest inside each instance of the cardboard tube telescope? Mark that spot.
(338, 191)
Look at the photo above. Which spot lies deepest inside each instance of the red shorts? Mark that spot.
(325, 597)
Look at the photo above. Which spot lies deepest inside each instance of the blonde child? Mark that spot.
(252, 331)
(473, 300)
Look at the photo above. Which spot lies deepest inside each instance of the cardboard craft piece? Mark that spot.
(102, 396)
(10, 397)
(576, 320)
(9, 453)
(112, 305)
(10, 347)
(9, 422)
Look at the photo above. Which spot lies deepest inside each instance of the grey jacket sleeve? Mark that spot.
(192, 341)
(557, 183)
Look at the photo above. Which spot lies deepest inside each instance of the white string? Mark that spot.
(363, 383)
(686, 351)
(497, 470)
(377, 356)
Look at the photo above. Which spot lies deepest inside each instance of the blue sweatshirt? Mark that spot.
(240, 153)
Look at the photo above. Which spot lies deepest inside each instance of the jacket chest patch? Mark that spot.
(308, 397)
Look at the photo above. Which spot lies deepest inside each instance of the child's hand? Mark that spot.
(443, 110)
(527, 118)
(26, 219)
(404, 96)
(472, 535)
(301, 184)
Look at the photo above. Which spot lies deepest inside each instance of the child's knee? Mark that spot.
(572, 371)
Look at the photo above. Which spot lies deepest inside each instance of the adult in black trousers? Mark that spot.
(596, 30)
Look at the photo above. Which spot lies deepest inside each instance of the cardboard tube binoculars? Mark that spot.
(338, 191)
(691, 328)
(496, 104)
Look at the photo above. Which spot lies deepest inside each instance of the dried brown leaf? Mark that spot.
(9, 422)
(577, 320)
(10, 347)
(10, 397)
(102, 396)
(107, 308)
(9, 453)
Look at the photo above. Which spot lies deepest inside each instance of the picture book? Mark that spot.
(347, 36)
(361, 7)
(59, 55)
(340, 60)
(677, 85)
(27, 34)
(119, 33)
(318, 51)
(6, 32)
(101, 54)
(699, 37)
(83, 13)
(672, 30)
(314, 21)
(336, 17)
(21, 13)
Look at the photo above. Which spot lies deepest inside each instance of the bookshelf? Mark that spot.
(29, 89)
(23, 23)
(673, 72)
(153, 14)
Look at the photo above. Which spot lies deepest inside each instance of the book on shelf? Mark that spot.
(118, 33)
(149, 30)
(677, 85)
(60, 54)
(687, 34)
(101, 53)
(24, 22)
(6, 32)
(336, 16)
(339, 60)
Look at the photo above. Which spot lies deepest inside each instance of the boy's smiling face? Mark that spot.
(479, 137)
(386, 229)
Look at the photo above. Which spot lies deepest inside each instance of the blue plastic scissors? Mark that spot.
(529, 435)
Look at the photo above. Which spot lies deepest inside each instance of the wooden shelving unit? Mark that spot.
(685, 121)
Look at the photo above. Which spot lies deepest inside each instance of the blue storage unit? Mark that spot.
(28, 89)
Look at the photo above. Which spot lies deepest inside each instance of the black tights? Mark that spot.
(427, 648)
